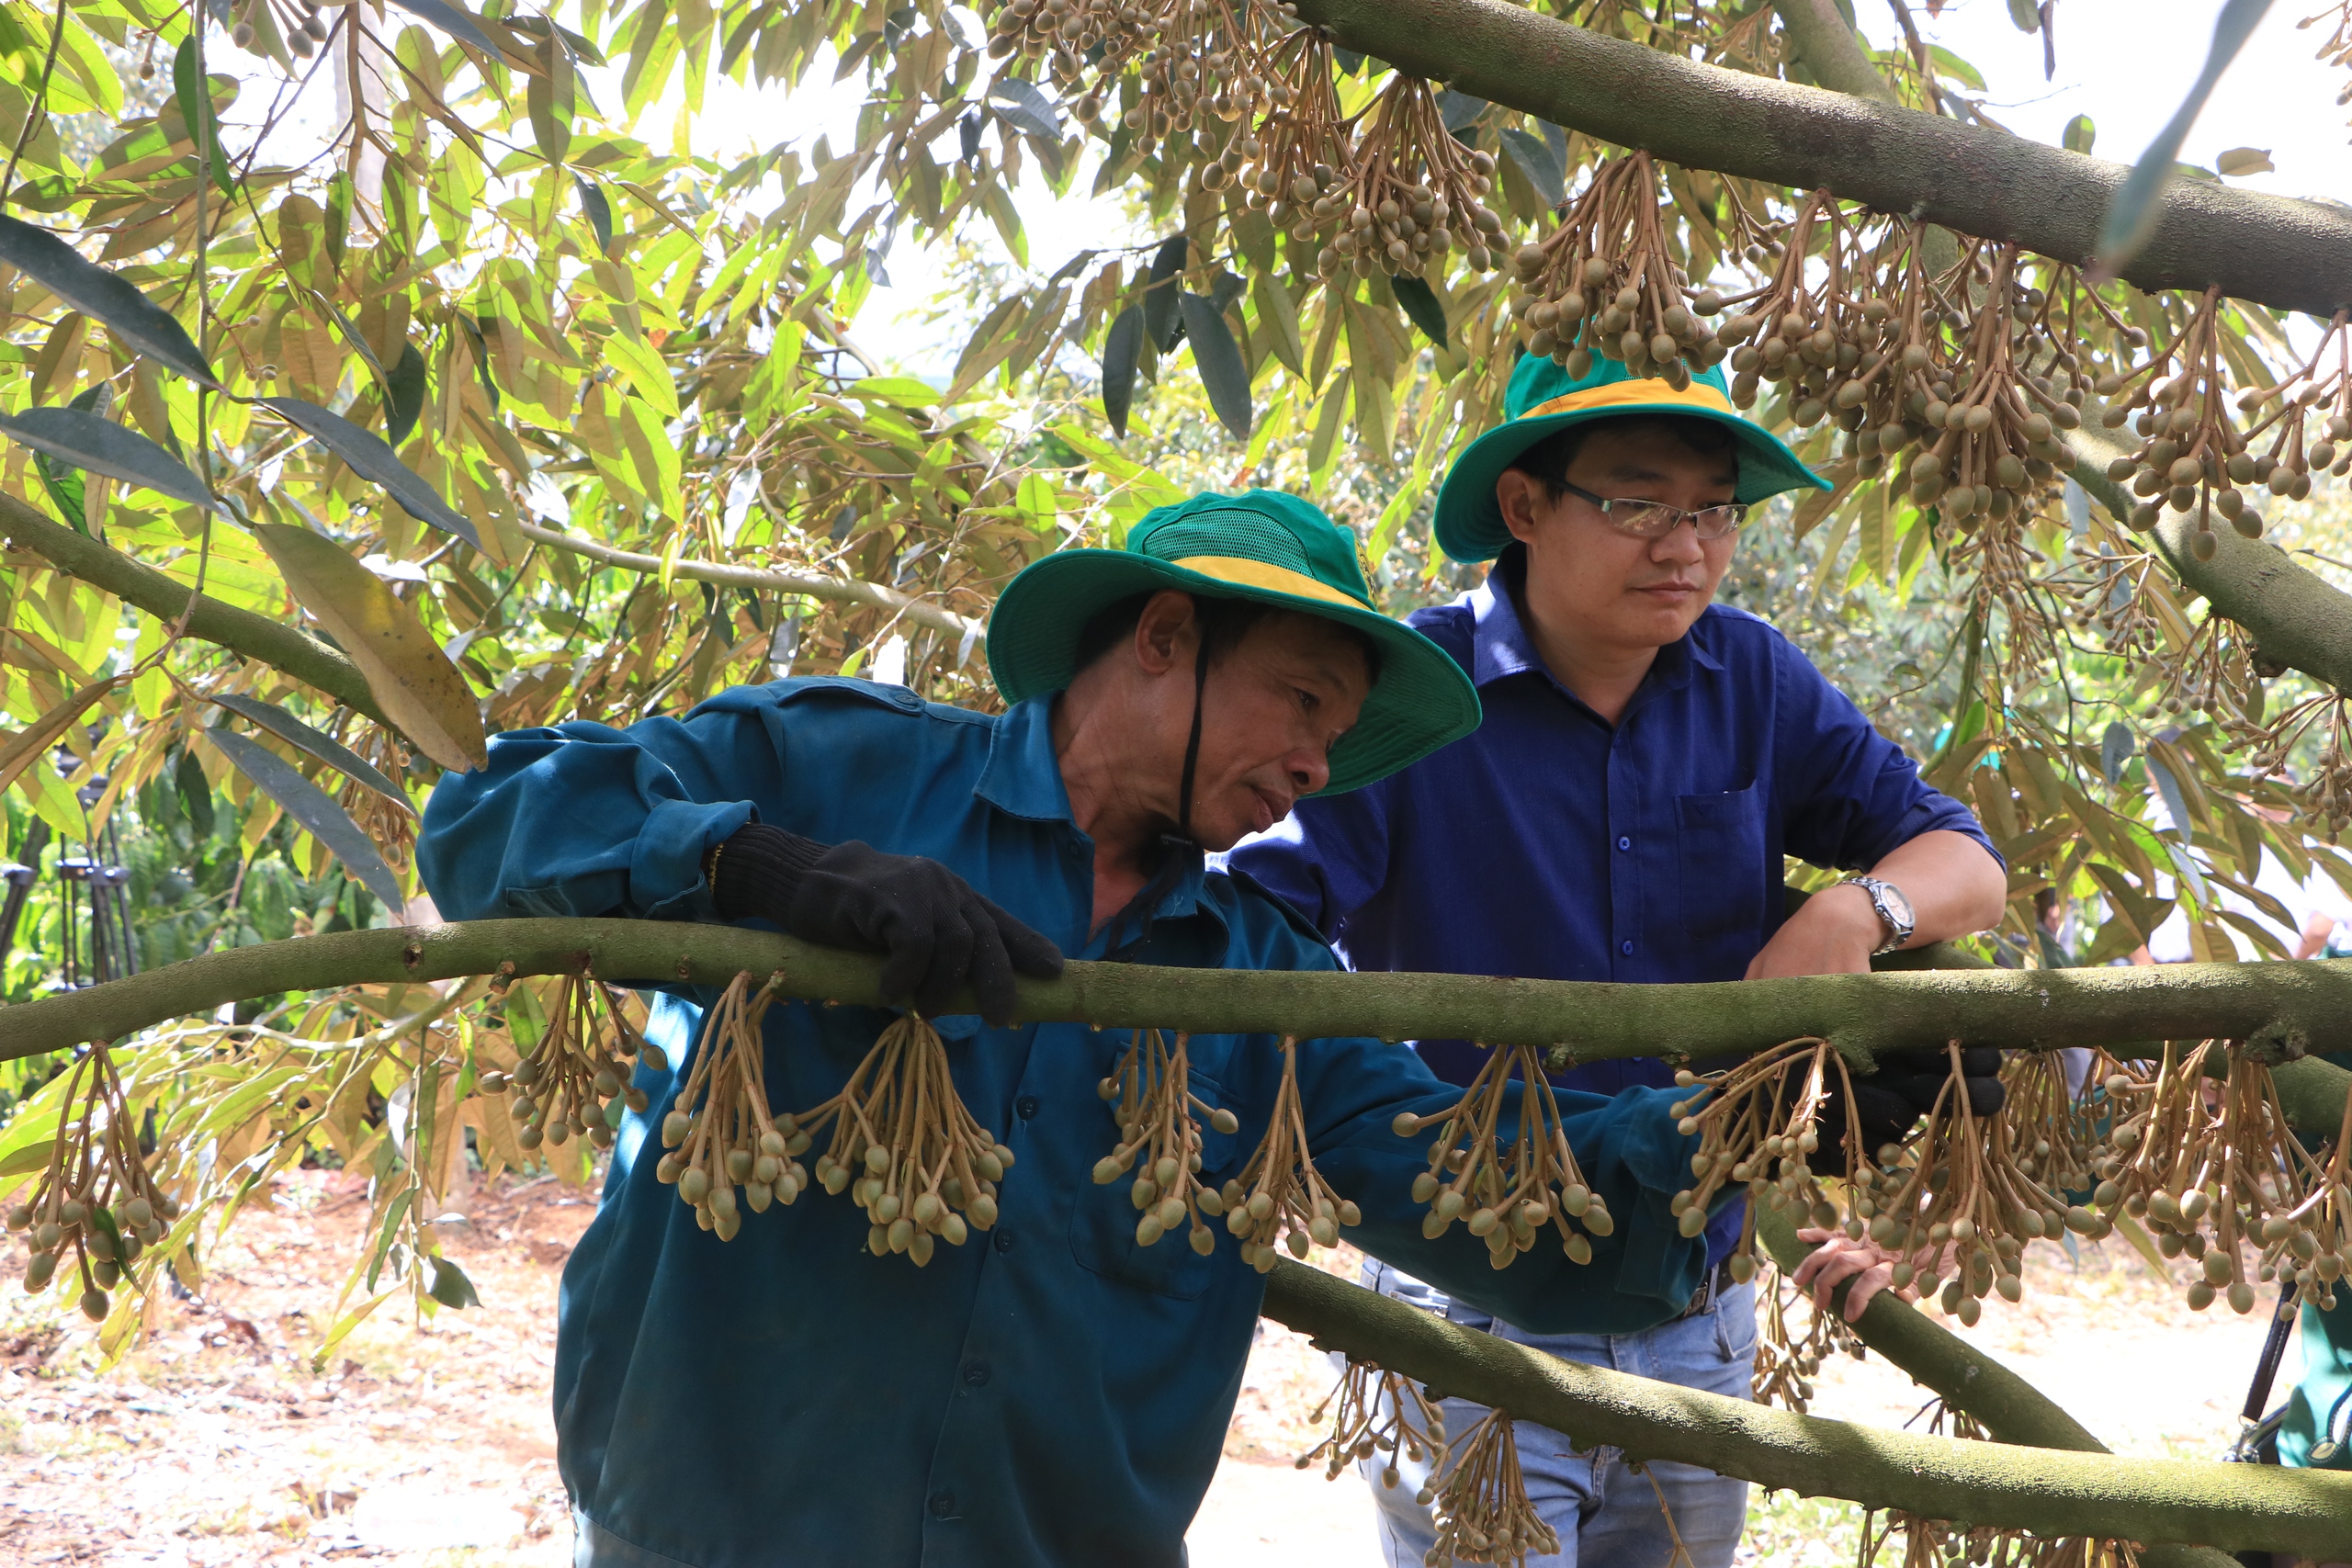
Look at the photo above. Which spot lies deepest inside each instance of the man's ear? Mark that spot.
(1519, 495)
(1160, 639)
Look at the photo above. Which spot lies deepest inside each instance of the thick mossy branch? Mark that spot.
(2048, 1491)
(2285, 1007)
(2297, 617)
(242, 632)
(2012, 1409)
(2283, 253)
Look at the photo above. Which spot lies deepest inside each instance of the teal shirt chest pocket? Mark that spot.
(1104, 1218)
(1723, 874)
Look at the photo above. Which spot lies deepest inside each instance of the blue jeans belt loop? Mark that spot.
(1718, 1282)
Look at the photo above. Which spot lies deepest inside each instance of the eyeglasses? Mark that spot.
(1655, 520)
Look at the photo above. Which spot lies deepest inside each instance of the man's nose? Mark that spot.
(1310, 770)
(1680, 544)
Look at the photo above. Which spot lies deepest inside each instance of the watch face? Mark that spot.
(1896, 904)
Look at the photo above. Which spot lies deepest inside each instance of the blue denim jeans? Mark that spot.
(1606, 1515)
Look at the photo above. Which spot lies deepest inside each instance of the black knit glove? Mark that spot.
(1905, 1088)
(939, 934)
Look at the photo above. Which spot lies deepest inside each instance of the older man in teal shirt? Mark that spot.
(1052, 1392)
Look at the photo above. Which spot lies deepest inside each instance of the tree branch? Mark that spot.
(816, 587)
(2286, 254)
(2297, 618)
(274, 643)
(1828, 51)
(2285, 1007)
(1967, 1379)
(2050, 1491)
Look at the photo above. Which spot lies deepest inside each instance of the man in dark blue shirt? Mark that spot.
(1646, 761)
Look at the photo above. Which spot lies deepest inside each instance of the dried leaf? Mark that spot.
(2241, 161)
(410, 677)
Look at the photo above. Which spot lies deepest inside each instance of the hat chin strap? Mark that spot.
(1178, 851)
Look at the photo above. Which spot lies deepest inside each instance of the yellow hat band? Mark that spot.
(1246, 573)
(1621, 394)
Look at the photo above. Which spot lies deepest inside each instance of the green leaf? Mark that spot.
(27, 1159)
(449, 1285)
(102, 446)
(644, 371)
(1121, 347)
(196, 110)
(314, 809)
(2080, 134)
(458, 22)
(2116, 750)
(410, 677)
(93, 290)
(371, 459)
(195, 794)
(318, 744)
(597, 210)
(1547, 173)
(2026, 15)
(2131, 218)
(1160, 315)
(1420, 306)
(1458, 109)
(406, 385)
(904, 390)
(1021, 105)
(1218, 358)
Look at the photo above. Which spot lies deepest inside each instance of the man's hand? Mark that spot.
(939, 935)
(1905, 1087)
(1834, 932)
(1836, 1259)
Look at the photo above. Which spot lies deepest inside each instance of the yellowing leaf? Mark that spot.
(643, 370)
(2239, 161)
(410, 677)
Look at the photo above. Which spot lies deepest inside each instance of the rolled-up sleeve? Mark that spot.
(1850, 796)
(584, 819)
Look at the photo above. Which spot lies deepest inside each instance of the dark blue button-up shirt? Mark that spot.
(1050, 1392)
(1551, 844)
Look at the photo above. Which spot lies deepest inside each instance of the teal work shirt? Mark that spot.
(2318, 1408)
(1050, 1392)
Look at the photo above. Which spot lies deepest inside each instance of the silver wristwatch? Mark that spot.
(1894, 911)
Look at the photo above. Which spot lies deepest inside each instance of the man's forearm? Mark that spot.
(1955, 887)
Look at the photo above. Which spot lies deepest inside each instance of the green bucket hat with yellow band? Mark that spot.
(1263, 546)
(1545, 399)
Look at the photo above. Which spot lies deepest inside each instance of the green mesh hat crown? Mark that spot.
(1545, 399)
(1263, 546)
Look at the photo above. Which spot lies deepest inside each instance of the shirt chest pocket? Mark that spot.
(1724, 877)
(1103, 1218)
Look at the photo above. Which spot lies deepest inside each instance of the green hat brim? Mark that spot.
(1423, 700)
(1469, 522)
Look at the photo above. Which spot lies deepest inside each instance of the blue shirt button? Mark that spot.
(1025, 1107)
(975, 1374)
(1003, 1238)
(942, 1504)
(1625, 844)
(1626, 948)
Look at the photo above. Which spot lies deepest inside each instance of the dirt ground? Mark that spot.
(430, 1446)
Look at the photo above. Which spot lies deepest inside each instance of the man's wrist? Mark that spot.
(1853, 912)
